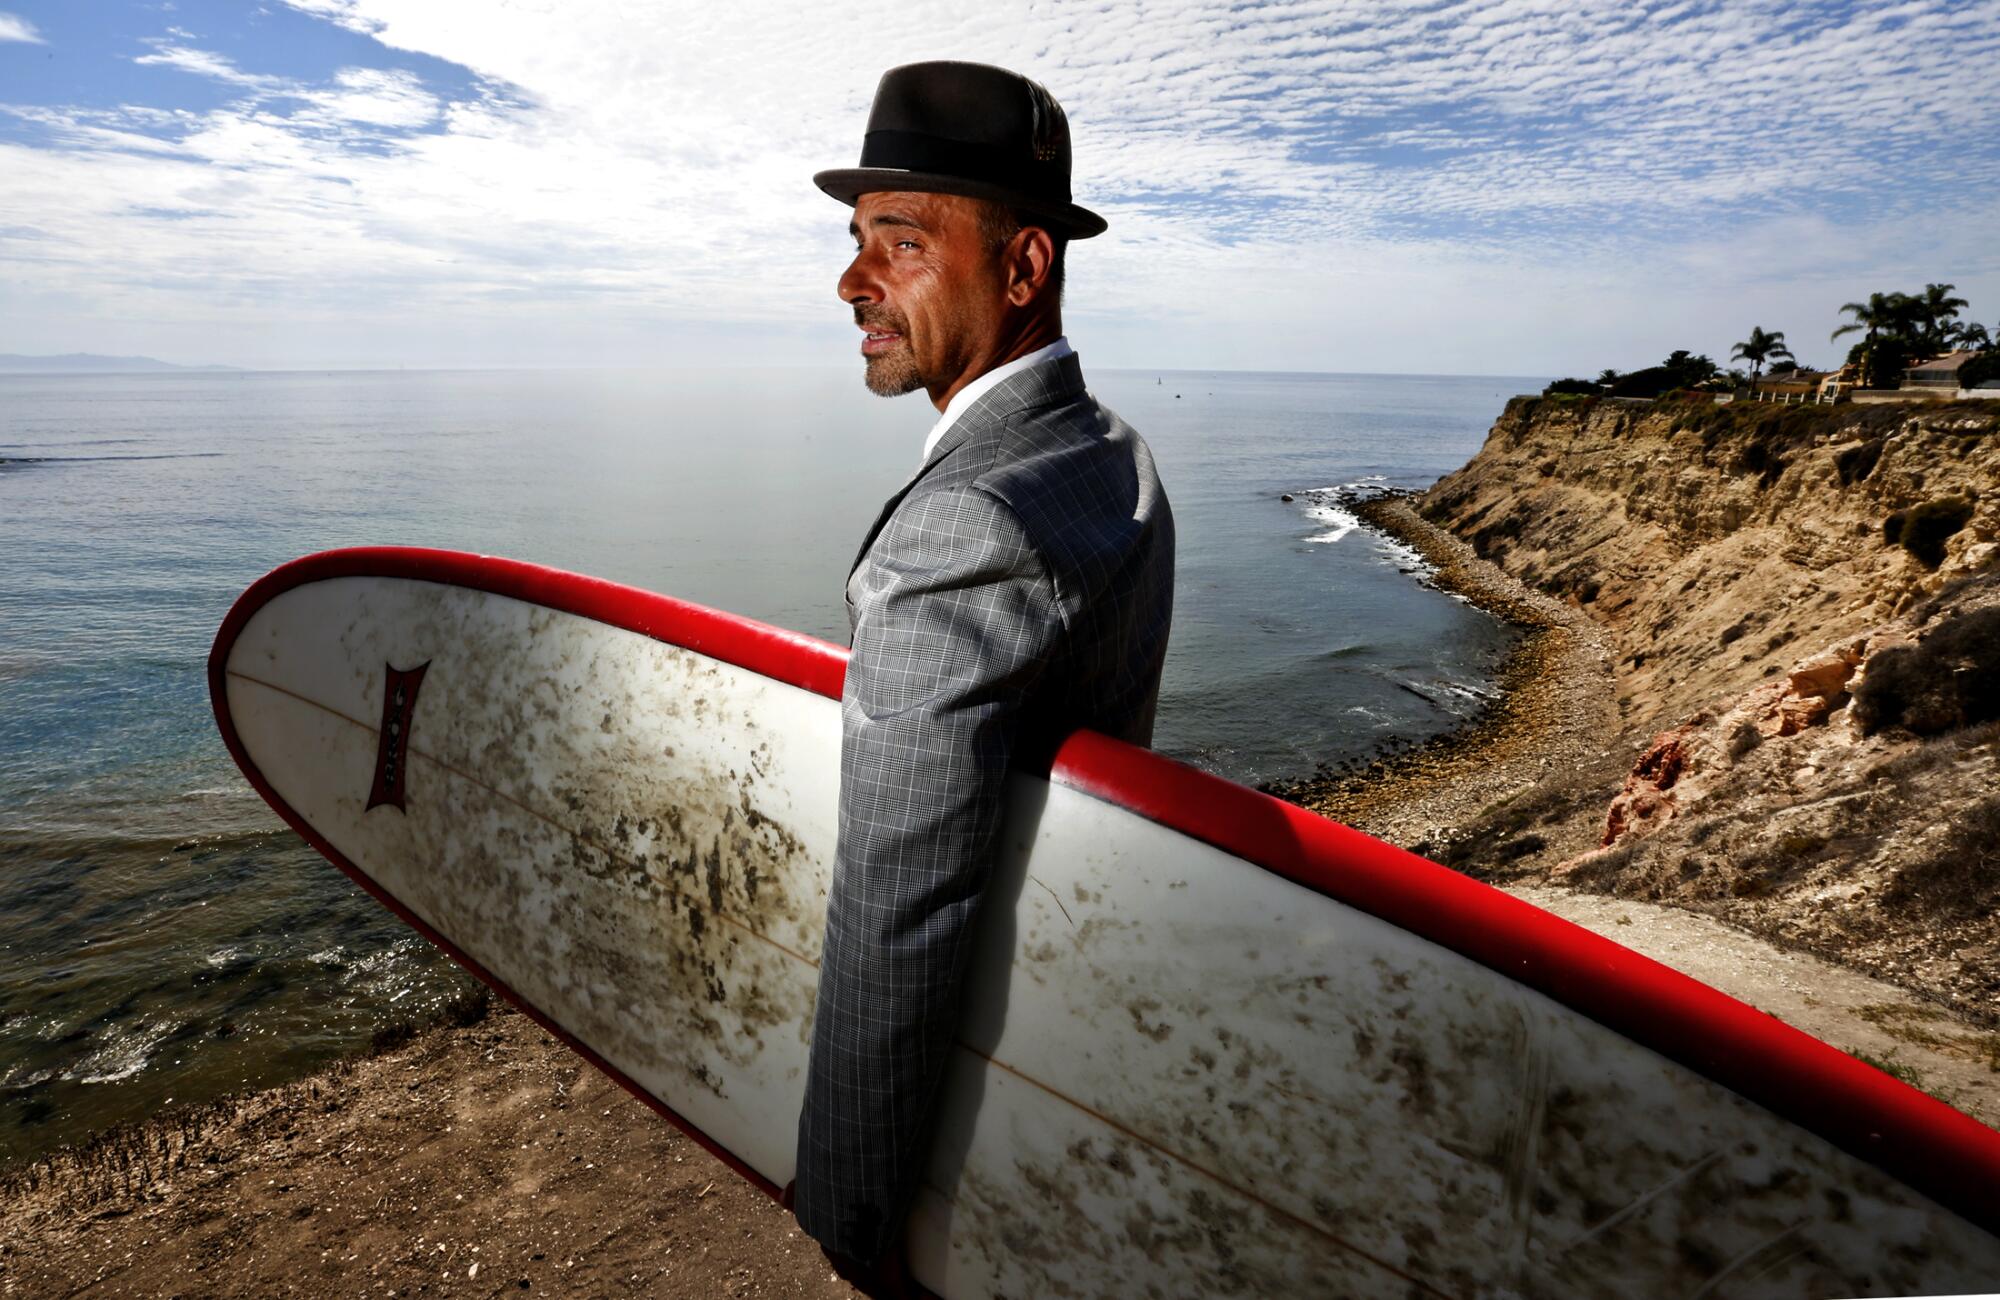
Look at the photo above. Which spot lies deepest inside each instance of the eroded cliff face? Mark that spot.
(1717, 544)
(1758, 570)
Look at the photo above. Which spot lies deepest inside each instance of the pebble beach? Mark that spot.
(1554, 712)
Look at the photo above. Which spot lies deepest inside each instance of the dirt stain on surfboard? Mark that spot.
(1514, 1118)
(661, 903)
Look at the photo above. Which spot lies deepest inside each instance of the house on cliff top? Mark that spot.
(1940, 373)
(1795, 385)
(1792, 382)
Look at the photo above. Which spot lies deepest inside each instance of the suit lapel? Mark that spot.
(882, 517)
(1050, 382)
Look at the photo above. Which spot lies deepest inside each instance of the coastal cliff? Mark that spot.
(1798, 614)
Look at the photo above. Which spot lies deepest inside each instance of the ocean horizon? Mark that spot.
(157, 366)
(164, 937)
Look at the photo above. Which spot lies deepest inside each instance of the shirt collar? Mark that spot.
(979, 387)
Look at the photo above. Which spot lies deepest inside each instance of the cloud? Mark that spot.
(1363, 185)
(377, 98)
(338, 12)
(204, 63)
(15, 28)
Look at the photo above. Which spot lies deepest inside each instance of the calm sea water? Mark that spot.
(163, 937)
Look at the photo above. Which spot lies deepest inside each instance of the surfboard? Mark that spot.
(1212, 1044)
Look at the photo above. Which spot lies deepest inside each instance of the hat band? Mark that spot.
(913, 151)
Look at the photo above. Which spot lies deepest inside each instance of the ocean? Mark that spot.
(163, 938)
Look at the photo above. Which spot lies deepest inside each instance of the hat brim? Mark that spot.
(1065, 219)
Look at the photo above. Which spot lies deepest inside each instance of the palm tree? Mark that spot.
(1971, 336)
(1608, 377)
(1759, 348)
(1883, 314)
(1933, 313)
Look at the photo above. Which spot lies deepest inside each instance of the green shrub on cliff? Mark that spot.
(1943, 682)
(1981, 368)
(1571, 388)
(1760, 457)
(1961, 878)
(1922, 530)
(1858, 461)
(1783, 427)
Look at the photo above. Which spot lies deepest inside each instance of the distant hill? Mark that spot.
(89, 363)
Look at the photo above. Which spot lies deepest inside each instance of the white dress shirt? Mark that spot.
(973, 391)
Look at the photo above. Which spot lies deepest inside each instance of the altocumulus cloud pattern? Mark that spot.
(1267, 168)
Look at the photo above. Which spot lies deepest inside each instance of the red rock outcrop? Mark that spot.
(1648, 797)
(1678, 768)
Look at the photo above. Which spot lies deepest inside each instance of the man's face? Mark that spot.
(925, 287)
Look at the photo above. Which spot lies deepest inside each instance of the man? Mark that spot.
(1017, 588)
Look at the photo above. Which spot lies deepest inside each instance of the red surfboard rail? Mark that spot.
(1928, 1145)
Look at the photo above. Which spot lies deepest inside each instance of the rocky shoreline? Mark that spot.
(1557, 706)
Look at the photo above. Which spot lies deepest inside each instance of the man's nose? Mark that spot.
(859, 283)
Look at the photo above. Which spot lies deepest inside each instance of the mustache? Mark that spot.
(882, 320)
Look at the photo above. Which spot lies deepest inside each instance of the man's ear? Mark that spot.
(1030, 254)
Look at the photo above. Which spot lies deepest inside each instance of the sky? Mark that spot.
(1510, 187)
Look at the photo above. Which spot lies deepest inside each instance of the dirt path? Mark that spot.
(1918, 1041)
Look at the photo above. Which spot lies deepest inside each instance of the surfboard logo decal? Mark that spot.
(399, 705)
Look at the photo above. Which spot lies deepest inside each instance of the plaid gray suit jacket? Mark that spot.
(1019, 587)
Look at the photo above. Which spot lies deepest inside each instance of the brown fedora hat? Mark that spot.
(967, 128)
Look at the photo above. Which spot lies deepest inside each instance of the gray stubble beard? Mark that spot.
(893, 373)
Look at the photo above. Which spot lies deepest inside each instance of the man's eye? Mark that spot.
(906, 243)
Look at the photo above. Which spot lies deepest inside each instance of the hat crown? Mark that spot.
(973, 103)
(968, 128)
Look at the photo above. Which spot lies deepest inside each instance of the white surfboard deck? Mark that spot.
(1181, 1074)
